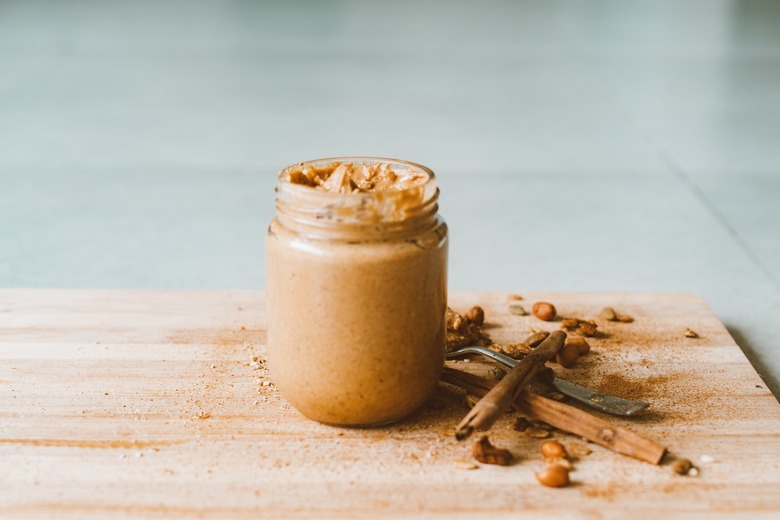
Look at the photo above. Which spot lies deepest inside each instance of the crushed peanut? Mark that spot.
(461, 332)
(581, 327)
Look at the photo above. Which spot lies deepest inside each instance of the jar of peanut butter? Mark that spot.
(356, 279)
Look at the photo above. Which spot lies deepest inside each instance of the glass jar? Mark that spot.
(357, 296)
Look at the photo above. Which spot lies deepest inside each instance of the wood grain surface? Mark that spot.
(158, 404)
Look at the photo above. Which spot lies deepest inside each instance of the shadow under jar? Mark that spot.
(356, 279)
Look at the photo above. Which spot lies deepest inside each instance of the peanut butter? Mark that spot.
(356, 289)
(350, 177)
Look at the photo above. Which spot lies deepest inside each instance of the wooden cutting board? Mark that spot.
(157, 403)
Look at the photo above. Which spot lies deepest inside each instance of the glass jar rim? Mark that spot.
(360, 159)
(381, 212)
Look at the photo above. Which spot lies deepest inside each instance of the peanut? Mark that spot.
(554, 476)
(567, 356)
(553, 450)
(581, 343)
(544, 311)
(476, 315)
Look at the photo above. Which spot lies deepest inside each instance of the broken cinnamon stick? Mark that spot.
(567, 418)
(502, 395)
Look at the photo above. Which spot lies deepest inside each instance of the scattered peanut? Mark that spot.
(682, 466)
(581, 343)
(581, 327)
(535, 339)
(513, 350)
(544, 311)
(518, 310)
(608, 313)
(486, 453)
(567, 356)
(476, 315)
(690, 334)
(554, 476)
(553, 450)
(578, 450)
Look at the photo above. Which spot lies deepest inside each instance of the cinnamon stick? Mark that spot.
(502, 395)
(567, 418)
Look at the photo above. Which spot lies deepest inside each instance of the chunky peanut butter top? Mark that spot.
(347, 177)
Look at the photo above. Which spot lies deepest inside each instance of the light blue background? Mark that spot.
(593, 146)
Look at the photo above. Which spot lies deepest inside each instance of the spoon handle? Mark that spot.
(604, 402)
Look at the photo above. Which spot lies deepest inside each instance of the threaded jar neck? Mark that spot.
(359, 215)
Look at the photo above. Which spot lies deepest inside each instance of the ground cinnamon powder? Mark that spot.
(619, 385)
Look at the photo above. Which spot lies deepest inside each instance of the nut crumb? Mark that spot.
(513, 350)
(537, 433)
(690, 334)
(486, 453)
(577, 450)
(461, 332)
(517, 310)
(514, 297)
(581, 327)
(465, 464)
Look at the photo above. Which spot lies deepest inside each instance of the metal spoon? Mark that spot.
(604, 402)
